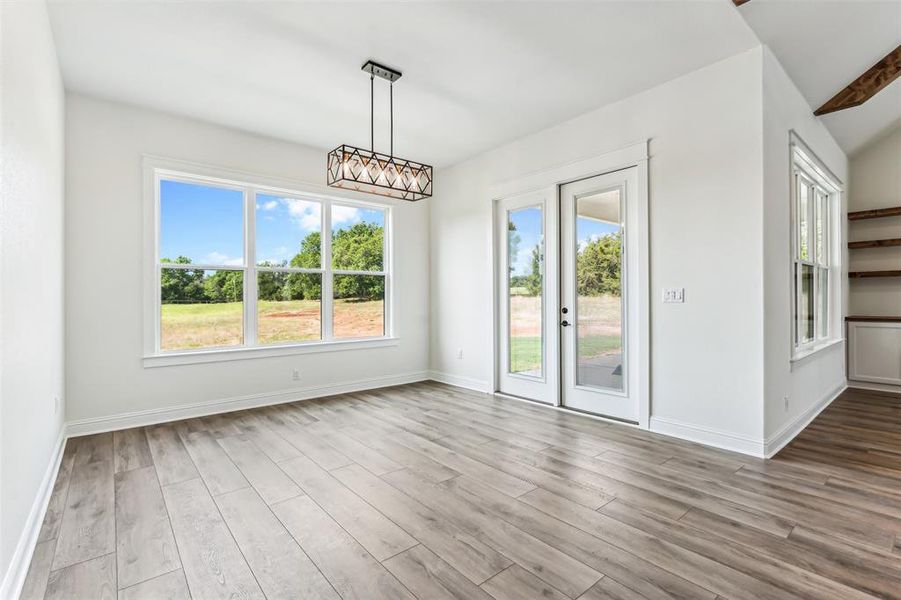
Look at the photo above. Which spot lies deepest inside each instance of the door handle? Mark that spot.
(565, 323)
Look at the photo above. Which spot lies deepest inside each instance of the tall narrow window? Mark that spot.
(289, 269)
(814, 205)
(358, 266)
(201, 260)
(241, 265)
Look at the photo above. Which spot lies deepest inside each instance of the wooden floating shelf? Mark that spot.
(866, 274)
(875, 243)
(876, 213)
(871, 319)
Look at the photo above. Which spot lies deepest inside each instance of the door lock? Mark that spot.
(564, 310)
(565, 323)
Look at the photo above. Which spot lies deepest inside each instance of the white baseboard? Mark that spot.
(14, 578)
(460, 381)
(709, 436)
(727, 440)
(781, 438)
(874, 387)
(186, 411)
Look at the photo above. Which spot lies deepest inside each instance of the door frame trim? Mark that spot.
(633, 155)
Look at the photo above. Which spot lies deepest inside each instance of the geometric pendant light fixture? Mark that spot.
(369, 171)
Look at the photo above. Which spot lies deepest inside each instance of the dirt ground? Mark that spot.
(193, 326)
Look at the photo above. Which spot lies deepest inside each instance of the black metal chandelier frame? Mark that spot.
(351, 167)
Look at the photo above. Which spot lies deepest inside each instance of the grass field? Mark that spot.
(193, 326)
(599, 330)
(525, 352)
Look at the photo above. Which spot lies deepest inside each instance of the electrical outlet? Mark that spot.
(460, 354)
(673, 295)
(785, 402)
(295, 375)
(56, 405)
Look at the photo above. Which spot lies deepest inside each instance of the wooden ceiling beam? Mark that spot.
(739, 2)
(866, 86)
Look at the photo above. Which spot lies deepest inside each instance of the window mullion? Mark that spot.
(250, 274)
(327, 302)
(387, 267)
(350, 272)
(816, 303)
(796, 253)
(797, 303)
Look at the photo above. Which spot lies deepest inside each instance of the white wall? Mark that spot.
(706, 235)
(876, 183)
(31, 273)
(105, 376)
(814, 380)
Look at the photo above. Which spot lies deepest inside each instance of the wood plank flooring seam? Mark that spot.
(168, 515)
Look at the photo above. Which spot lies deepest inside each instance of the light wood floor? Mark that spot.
(431, 492)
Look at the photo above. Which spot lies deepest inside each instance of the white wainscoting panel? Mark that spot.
(874, 352)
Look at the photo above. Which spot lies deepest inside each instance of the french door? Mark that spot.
(599, 308)
(528, 365)
(572, 300)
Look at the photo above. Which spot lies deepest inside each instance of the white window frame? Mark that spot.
(808, 170)
(159, 169)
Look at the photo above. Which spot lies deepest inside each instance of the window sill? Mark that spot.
(799, 358)
(194, 357)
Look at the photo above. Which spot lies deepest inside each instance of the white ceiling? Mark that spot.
(476, 74)
(824, 46)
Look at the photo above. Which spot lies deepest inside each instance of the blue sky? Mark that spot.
(528, 226)
(206, 223)
(590, 229)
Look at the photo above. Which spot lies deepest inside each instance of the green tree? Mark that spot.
(598, 266)
(310, 252)
(358, 248)
(513, 241)
(533, 279)
(181, 286)
(303, 286)
(306, 286)
(272, 285)
(359, 287)
(224, 286)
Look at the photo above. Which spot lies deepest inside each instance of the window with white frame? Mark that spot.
(815, 198)
(245, 266)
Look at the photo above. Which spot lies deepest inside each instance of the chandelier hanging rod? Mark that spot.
(390, 75)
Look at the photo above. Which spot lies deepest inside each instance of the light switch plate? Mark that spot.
(673, 295)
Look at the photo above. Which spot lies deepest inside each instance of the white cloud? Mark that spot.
(345, 214)
(217, 258)
(307, 215)
(593, 238)
(269, 205)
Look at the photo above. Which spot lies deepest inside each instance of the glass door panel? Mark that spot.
(525, 290)
(599, 303)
